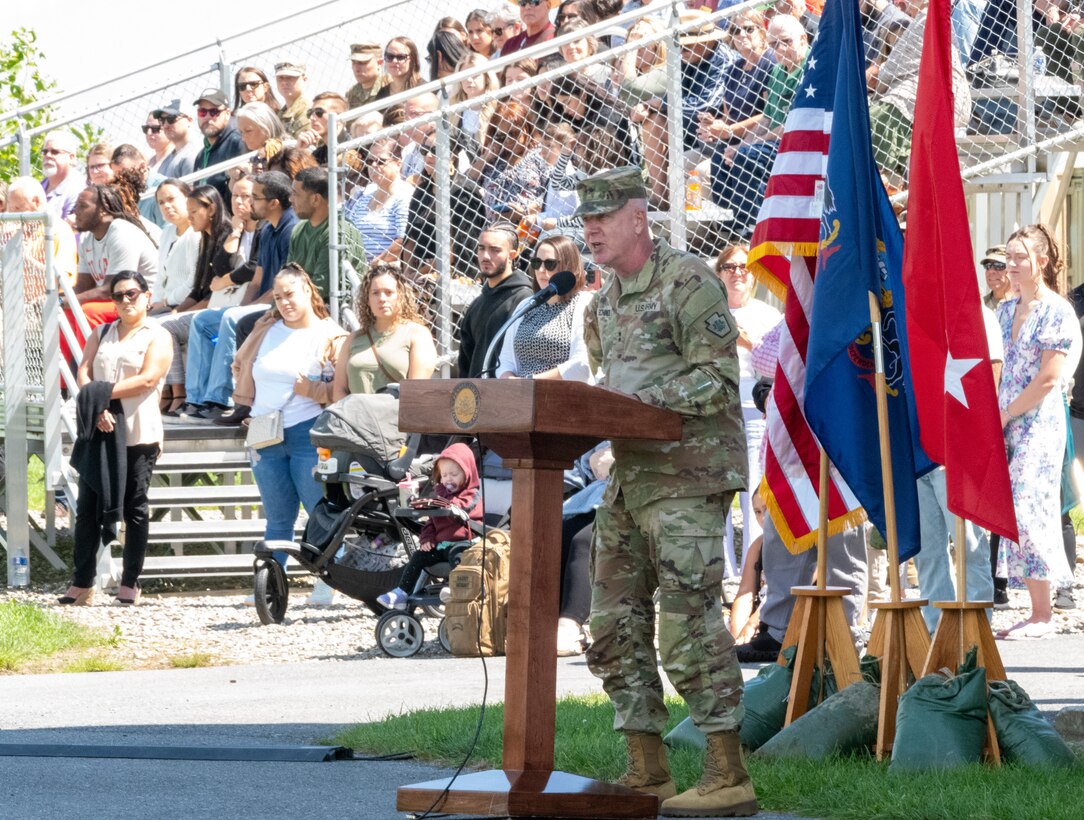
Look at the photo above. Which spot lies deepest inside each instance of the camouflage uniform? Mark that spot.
(357, 96)
(667, 337)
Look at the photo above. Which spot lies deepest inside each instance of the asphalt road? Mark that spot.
(255, 706)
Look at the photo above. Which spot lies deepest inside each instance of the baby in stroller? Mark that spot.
(455, 484)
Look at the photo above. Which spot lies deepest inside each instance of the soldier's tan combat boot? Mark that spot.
(647, 770)
(725, 789)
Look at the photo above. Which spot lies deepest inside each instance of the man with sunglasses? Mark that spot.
(535, 16)
(315, 136)
(61, 182)
(994, 264)
(176, 126)
(221, 139)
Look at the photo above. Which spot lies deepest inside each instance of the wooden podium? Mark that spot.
(539, 428)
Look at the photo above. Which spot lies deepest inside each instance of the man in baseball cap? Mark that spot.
(367, 63)
(997, 278)
(221, 139)
(176, 126)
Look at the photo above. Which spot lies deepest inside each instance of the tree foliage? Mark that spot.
(22, 83)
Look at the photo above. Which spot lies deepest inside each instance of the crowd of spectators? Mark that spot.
(211, 251)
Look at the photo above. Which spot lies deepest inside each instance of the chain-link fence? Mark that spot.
(320, 36)
(696, 101)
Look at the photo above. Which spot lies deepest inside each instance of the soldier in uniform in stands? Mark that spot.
(661, 331)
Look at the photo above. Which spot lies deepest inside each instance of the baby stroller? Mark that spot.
(352, 540)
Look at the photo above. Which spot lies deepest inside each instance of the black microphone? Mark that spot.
(560, 283)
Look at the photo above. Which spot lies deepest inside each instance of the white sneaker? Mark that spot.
(322, 594)
(570, 638)
(395, 599)
(250, 600)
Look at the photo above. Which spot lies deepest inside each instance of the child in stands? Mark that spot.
(455, 482)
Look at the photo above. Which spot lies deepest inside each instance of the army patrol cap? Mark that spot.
(995, 254)
(608, 191)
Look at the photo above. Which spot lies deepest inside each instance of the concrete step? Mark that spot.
(205, 566)
(210, 532)
(208, 461)
(204, 496)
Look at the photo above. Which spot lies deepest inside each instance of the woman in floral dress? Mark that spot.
(1037, 329)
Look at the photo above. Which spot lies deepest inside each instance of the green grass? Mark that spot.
(859, 788)
(193, 660)
(28, 632)
(93, 663)
(35, 479)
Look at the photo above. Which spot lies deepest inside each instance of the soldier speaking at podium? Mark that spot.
(661, 331)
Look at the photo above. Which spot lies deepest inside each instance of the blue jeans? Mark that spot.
(740, 186)
(284, 474)
(936, 579)
(212, 344)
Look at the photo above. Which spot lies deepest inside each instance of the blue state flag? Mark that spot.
(861, 251)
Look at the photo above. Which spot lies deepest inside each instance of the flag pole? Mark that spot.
(961, 559)
(822, 524)
(822, 567)
(818, 628)
(886, 452)
(899, 635)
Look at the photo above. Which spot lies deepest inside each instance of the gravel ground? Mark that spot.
(167, 626)
(219, 624)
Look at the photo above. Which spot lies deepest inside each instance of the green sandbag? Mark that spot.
(686, 736)
(1023, 734)
(846, 722)
(941, 722)
(765, 700)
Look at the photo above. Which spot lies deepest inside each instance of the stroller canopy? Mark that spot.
(363, 423)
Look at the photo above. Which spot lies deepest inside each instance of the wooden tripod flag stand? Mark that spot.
(964, 624)
(899, 637)
(818, 624)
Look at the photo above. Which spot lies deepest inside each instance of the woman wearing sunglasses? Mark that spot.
(402, 65)
(250, 84)
(548, 342)
(119, 435)
(380, 210)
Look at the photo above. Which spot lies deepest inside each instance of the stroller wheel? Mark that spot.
(442, 636)
(271, 592)
(399, 634)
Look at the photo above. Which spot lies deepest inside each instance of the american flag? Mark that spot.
(783, 256)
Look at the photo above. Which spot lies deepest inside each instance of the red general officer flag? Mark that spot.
(959, 422)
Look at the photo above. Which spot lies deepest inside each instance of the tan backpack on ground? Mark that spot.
(470, 621)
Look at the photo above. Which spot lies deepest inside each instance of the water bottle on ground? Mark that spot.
(20, 571)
